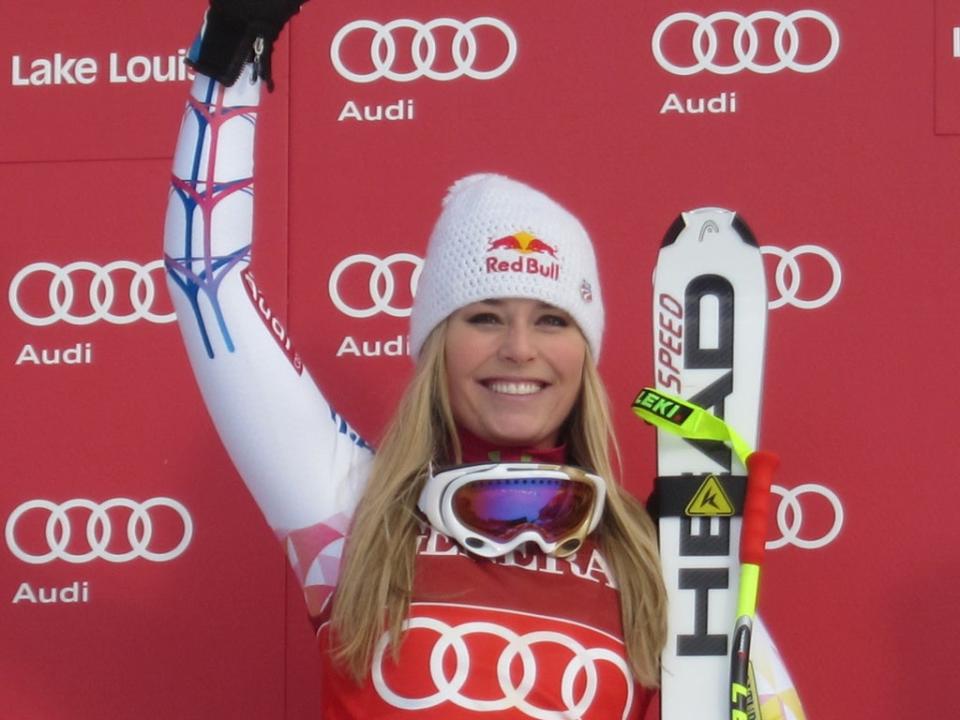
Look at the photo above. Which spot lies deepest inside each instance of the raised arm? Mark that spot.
(303, 464)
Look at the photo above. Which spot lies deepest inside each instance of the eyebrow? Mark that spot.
(540, 304)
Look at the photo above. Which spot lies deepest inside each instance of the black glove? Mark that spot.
(240, 31)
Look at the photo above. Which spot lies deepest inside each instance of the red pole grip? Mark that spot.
(753, 535)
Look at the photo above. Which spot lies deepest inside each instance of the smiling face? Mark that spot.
(514, 370)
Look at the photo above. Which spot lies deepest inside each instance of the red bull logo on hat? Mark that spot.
(527, 245)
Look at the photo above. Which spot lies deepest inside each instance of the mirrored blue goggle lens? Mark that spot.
(502, 509)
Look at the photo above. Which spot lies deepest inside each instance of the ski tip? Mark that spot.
(673, 232)
(744, 231)
(711, 219)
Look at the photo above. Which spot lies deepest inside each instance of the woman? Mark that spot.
(511, 589)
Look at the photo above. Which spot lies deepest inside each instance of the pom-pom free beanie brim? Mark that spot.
(500, 238)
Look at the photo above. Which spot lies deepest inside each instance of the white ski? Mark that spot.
(709, 312)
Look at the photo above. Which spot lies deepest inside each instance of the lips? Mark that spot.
(514, 387)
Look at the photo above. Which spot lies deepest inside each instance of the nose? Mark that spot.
(519, 343)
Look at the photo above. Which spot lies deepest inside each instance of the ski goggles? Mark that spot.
(490, 509)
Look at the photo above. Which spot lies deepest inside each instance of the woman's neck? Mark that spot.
(476, 449)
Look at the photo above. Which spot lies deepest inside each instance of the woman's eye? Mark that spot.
(554, 320)
(483, 318)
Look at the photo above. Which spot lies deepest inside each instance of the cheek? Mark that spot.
(569, 359)
(573, 368)
(466, 349)
(574, 385)
(459, 365)
(461, 393)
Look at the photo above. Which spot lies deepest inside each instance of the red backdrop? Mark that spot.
(833, 131)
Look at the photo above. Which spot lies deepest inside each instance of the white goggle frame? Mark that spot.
(436, 502)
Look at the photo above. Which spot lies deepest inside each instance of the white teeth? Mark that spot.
(515, 388)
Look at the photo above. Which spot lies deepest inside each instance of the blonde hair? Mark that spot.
(378, 566)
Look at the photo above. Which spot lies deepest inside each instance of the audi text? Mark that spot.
(79, 354)
(720, 104)
(394, 347)
(400, 110)
(75, 592)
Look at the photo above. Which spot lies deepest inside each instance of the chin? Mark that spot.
(522, 439)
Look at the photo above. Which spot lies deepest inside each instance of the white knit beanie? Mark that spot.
(499, 238)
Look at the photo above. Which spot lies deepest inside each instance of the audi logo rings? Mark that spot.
(788, 289)
(705, 52)
(448, 688)
(381, 300)
(99, 531)
(790, 530)
(423, 50)
(102, 293)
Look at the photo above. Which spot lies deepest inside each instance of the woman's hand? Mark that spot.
(237, 32)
